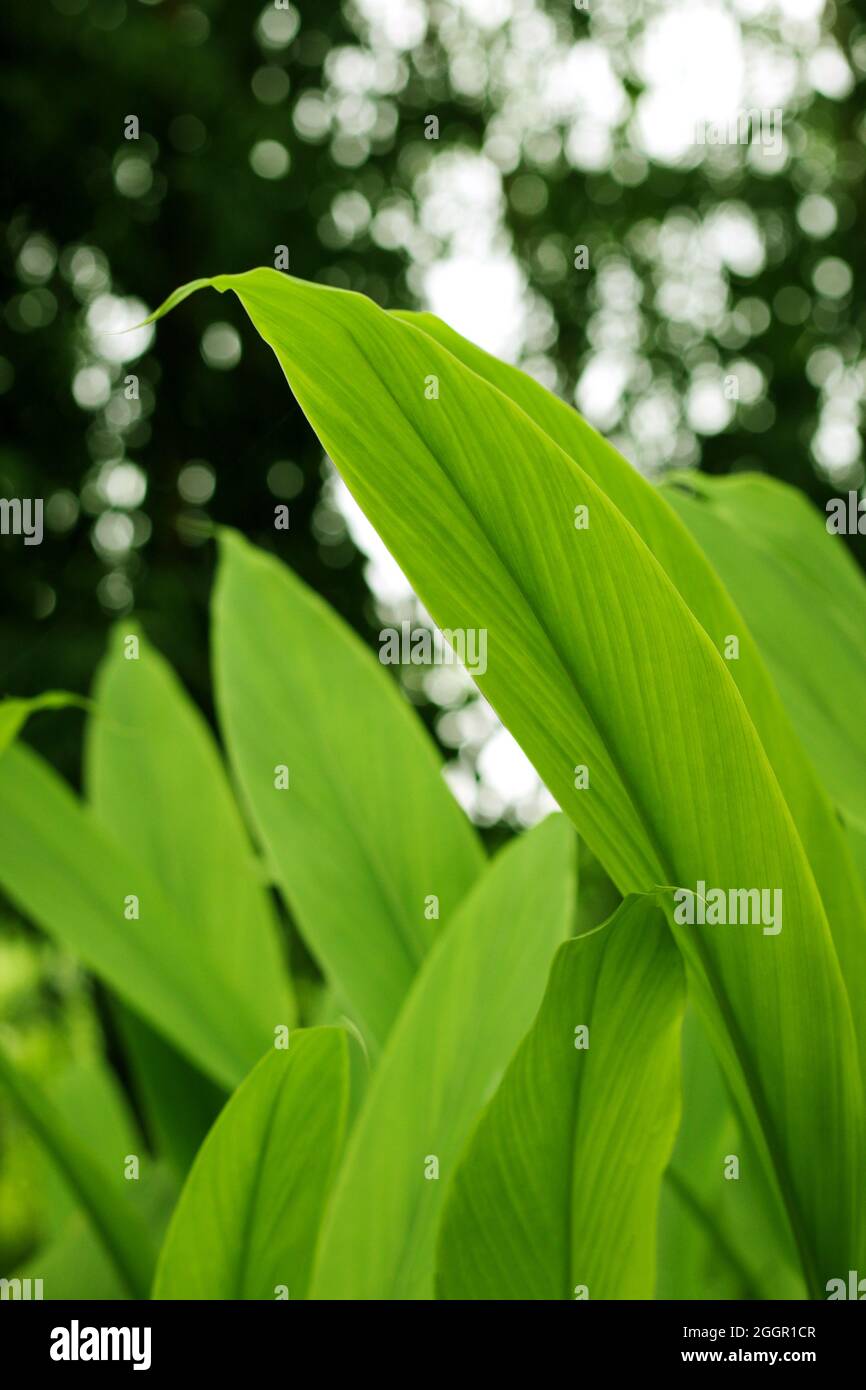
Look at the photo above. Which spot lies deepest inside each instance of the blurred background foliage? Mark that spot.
(453, 154)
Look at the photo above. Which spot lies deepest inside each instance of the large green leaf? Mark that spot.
(804, 599)
(472, 1001)
(769, 637)
(719, 1233)
(150, 757)
(366, 831)
(246, 1222)
(69, 875)
(690, 571)
(558, 1192)
(117, 1222)
(156, 782)
(595, 659)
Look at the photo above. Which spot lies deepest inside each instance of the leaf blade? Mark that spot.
(596, 658)
(365, 789)
(123, 1233)
(63, 871)
(718, 577)
(549, 1195)
(149, 758)
(472, 1001)
(247, 1219)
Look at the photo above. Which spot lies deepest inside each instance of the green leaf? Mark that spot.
(75, 1264)
(66, 873)
(697, 1258)
(857, 845)
(248, 1216)
(557, 1194)
(72, 1262)
(804, 598)
(118, 1224)
(697, 581)
(89, 1099)
(14, 712)
(720, 1234)
(689, 568)
(595, 659)
(471, 1003)
(367, 829)
(178, 1101)
(156, 783)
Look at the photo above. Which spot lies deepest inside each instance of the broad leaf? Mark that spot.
(150, 757)
(804, 599)
(246, 1223)
(69, 875)
(595, 660)
(471, 1003)
(116, 1221)
(558, 1192)
(721, 616)
(156, 783)
(719, 1233)
(366, 832)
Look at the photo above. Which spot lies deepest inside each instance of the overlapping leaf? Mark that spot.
(557, 1195)
(595, 659)
(804, 599)
(472, 1001)
(366, 833)
(247, 1220)
(69, 875)
(73, 1262)
(156, 783)
(805, 604)
(118, 1223)
(720, 1233)
(771, 640)
(769, 594)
